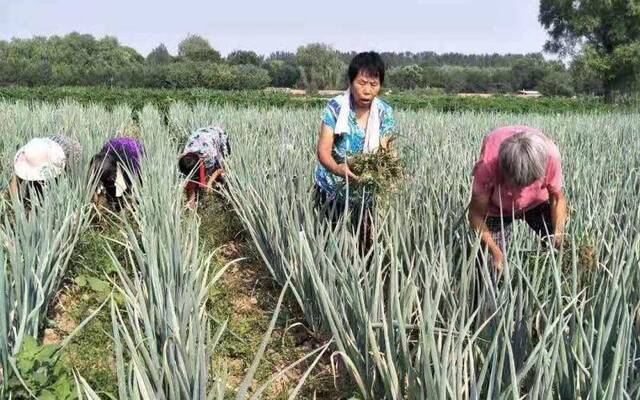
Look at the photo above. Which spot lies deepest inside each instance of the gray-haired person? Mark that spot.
(518, 176)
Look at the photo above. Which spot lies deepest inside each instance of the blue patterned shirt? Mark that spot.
(346, 145)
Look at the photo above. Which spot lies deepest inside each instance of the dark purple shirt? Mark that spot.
(130, 149)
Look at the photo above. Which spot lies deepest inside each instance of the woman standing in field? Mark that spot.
(115, 167)
(202, 161)
(518, 176)
(353, 123)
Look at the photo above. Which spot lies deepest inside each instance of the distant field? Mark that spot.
(162, 98)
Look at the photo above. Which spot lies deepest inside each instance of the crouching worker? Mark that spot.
(518, 177)
(71, 147)
(39, 161)
(202, 161)
(116, 167)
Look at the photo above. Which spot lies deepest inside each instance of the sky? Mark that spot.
(465, 26)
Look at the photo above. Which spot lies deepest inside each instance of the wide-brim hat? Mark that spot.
(38, 160)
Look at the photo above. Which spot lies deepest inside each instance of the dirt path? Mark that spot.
(245, 297)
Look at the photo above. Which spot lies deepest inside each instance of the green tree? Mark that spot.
(607, 31)
(285, 56)
(407, 77)
(528, 72)
(283, 74)
(196, 48)
(452, 80)
(244, 57)
(503, 80)
(72, 59)
(186, 74)
(320, 67)
(159, 56)
(584, 79)
(556, 83)
(478, 80)
(251, 77)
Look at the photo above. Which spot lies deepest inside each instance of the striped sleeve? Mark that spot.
(387, 120)
(330, 114)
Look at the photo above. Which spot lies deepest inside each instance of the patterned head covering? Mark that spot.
(211, 144)
(72, 149)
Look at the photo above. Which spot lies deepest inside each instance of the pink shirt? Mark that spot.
(488, 181)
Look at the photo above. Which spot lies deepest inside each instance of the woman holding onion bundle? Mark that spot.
(202, 161)
(518, 176)
(353, 123)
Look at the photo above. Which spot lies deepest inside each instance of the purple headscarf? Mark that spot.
(129, 149)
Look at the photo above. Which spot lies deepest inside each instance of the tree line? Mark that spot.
(599, 43)
(82, 60)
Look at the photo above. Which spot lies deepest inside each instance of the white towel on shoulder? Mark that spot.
(372, 133)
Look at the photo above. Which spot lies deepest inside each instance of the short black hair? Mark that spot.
(104, 166)
(370, 63)
(187, 165)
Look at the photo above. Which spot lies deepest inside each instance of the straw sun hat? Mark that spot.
(38, 160)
